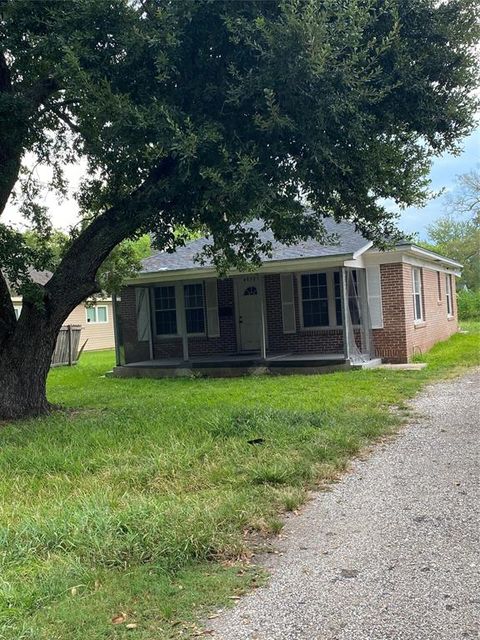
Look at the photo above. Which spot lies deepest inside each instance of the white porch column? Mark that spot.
(151, 307)
(182, 324)
(345, 314)
(263, 337)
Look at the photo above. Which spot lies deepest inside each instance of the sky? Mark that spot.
(443, 174)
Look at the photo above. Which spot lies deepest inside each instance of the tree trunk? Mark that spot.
(25, 358)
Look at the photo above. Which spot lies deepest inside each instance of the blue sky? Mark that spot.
(444, 171)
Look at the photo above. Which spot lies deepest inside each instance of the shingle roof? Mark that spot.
(349, 241)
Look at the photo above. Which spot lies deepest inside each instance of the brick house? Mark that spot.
(309, 307)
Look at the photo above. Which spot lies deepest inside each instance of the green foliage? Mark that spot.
(457, 234)
(251, 104)
(468, 303)
(122, 263)
(459, 240)
(137, 497)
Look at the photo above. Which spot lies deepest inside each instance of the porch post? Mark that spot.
(182, 320)
(150, 295)
(345, 313)
(365, 311)
(117, 333)
(263, 337)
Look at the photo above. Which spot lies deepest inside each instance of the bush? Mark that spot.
(468, 305)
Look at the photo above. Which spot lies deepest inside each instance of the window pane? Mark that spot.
(165, 311)
(166, 322)
(101, 314)
(193, 296)
(164, 298)
(418, 307)
(338, 298)
(195, 320)
(91, 314)
(315, 313)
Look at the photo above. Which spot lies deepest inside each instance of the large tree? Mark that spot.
(209, 113)
(457, 233)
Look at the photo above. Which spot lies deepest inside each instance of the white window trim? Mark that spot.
(332, 316)
(449, 295)
(183, 284)
(95, 307)
(417, 293)
(179, 310)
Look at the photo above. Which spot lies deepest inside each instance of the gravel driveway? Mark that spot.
(393, 551)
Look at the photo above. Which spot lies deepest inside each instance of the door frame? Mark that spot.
(263, 308)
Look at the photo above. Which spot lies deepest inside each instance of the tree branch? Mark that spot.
(66, 119)
(74, 279)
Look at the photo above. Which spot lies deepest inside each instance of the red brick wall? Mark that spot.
(303, 341)
(400, 337)
(134, 351)
(398, 341)
(437, 325)
(226, 343)
(391, 342)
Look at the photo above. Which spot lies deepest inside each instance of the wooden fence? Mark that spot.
(67, 347)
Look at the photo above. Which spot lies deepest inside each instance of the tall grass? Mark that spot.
(141, 497)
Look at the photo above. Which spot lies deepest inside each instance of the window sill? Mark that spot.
(450, 318)
(319, 329)
(439, 303)
(419, 324)
(177, 336)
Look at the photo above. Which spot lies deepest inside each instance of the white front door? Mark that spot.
(249, 306)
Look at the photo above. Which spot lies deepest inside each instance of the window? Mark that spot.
(165, 311)
(338, 297)
(448, 294)
(439, 286)
(314, 300)
(96, 314)
(417, 294)
(194, 308)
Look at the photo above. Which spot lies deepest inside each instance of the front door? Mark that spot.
(249, 300)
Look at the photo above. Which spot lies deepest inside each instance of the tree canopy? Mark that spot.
(206, 114)
(457, 233)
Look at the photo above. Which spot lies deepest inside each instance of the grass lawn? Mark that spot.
(136, 504)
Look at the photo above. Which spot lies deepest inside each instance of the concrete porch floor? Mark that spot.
(230, 365)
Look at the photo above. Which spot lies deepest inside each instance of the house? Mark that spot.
(95, 317)
(309, 307)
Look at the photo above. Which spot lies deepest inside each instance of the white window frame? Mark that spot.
(448, 294)
(95, 307)
(332, 316)
(439, 286)
(183, 285)
(180, 314)
(417, 293)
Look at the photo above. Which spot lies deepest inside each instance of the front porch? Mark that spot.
(295, 322)
(239, 365)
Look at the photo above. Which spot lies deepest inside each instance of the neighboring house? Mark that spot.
(95, 318)
(308, 306)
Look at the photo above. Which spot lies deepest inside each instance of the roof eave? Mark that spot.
(270, 266)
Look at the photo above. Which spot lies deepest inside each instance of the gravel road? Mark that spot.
(393, 550)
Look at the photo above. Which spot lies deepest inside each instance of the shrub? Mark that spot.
(468, 305)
